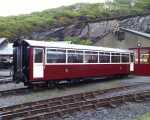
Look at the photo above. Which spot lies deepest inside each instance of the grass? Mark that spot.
(13, 27)
(146, 116)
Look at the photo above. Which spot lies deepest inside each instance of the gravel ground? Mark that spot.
(128, 111)
(102, 84)
(10, 86)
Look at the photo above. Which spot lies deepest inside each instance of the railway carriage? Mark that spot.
(52, 62)
(141, 61)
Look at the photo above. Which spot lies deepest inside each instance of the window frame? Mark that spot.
(91, 53)
(84, 52)
(132, 53)
(54, 49)
(104, 54)
(123, 54)
(76, 51)
(116, 54)
(34, 49)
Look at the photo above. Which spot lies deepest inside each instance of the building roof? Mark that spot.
(71, 46)
(2, 40)
(7, 50)
(146, 35)
(3, 43)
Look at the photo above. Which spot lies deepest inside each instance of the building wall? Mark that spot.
(130, 41)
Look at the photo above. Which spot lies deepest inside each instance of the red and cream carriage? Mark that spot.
(50, 62)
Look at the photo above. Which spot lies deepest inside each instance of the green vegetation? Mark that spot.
(144, 4)
(23, 25)
(144, 117)
(76, 40)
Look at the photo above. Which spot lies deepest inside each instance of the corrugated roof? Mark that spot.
(137, 32)
(7, 50)
(71, 46)
(2, 40)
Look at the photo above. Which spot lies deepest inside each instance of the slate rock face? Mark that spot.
(137, 23)
(46, 34)
(94, 31)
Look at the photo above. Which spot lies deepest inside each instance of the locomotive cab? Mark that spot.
(21, 61)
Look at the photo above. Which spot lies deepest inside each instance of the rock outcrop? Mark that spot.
(94, 30)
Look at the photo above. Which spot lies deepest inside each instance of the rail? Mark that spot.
(67, 104)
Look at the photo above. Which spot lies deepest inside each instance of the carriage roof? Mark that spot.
(66, 45)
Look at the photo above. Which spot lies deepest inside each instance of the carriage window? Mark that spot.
(132, 57)
(104, 57)
(115, 58)
(125, 58)
(75, 56)
(144, 56)
(91, 57)
(56, 56)
(38, 55)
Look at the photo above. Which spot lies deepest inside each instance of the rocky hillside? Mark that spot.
(83, 21)
(95, 30)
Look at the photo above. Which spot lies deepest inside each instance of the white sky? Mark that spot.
(16, 7)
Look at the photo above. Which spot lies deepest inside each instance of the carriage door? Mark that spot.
(38, 64)
(131, 62)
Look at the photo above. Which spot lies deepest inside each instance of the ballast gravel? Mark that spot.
(128, 111)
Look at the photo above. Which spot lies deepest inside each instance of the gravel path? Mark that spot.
(128, 111)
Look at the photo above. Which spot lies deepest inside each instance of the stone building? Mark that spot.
(125, 38)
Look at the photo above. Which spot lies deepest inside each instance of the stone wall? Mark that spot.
(130, 41)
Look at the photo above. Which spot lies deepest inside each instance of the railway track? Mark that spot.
(20, 91)
(11, 92)
(45, 109)
(23, 91)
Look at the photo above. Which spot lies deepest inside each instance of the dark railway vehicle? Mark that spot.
(52, 62)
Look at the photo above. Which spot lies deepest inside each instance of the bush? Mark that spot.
(14, 26)
(77, 40)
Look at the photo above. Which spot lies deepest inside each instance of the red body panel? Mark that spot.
(60, 72)
(142, 69)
